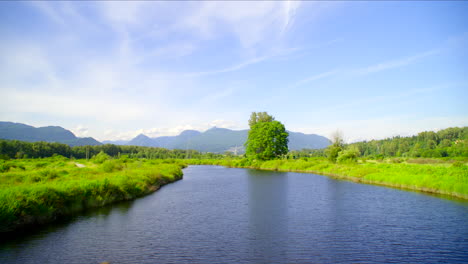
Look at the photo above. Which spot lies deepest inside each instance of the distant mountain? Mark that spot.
(221, 139)
(142, 140)
(298, 141)
(18, 131)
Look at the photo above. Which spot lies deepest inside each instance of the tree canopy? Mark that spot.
(267, 139)
(257, 117)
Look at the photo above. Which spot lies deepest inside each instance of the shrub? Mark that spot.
(101, 157)
(458, 164)
(349, 155)
(111, 165)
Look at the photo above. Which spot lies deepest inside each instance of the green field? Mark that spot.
(428, 175)
(36, 191)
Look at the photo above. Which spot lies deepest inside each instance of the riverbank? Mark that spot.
(440, 178)
(38, 191)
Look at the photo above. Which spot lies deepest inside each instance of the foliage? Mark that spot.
(258, 117)
(100, 157)
(267, 138)
(336, 147)
(450, 142)
(13, 149)
(350, 154)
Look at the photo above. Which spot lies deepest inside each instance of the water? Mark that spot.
(223, 215)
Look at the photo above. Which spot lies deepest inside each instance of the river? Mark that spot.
(228, 215)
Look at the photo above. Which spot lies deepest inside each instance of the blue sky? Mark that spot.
(112, 70)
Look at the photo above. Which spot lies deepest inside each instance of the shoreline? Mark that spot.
(370, 182)
(101, 198)
(379, 175)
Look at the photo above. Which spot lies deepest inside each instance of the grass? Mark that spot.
(36, 191)
(448, 178)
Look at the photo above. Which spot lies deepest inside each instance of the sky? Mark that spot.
(113, 70)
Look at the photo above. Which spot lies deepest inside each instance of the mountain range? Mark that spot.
(18, 131)
(220, 140)
(217, 140)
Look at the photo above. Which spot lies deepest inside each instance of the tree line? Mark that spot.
(15, 149)
(450, 142)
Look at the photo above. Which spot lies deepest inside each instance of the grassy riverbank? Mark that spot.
(36, 191)
(438, 177)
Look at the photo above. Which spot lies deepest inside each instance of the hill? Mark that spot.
(18, 131)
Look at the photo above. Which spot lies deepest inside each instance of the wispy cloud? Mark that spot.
(373, 101)
(251, 22)
(71, 106)
(49, 11)
(289, 13)
(387, 65)
(243, 64)
(315, 78)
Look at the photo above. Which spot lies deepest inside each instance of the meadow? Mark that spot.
(37, 191)
(436, 176)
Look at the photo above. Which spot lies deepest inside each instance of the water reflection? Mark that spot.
(268, 216)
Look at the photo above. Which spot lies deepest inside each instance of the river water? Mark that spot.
(226, 215)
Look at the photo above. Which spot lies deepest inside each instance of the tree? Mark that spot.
(337, 145)
(267, 138)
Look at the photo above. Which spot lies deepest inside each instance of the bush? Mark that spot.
(100, 157)
(111, 165)
(333, 152)
(349, 155)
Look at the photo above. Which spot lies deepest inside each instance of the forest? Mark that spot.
(447, 143)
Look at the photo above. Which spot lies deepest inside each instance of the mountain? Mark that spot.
(298, 141)
(18, 131)
(220, 140)
(215, 139)
(141, 140)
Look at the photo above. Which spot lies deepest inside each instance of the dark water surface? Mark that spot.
(223, 215)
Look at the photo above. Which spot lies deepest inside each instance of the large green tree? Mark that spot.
(267, 139)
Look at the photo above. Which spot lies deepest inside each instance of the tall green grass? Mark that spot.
(442, 178)
(38, 191)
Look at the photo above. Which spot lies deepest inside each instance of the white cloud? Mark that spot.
(289, 12)
(80, 131)
(168, 131)
(251, 22)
